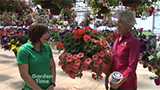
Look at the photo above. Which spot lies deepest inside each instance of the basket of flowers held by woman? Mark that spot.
(84, 49)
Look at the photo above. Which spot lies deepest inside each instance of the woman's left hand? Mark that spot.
(51, 87)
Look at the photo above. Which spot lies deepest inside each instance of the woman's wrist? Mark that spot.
(53, 84)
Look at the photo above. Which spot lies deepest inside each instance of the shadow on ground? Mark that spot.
(6, 56)
(4, 77)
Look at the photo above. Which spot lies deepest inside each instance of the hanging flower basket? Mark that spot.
(55, 10)
(131, 3)
(104, 10)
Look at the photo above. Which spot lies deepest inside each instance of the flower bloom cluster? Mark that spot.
(149, 56)
(84, 49)
(13, 38)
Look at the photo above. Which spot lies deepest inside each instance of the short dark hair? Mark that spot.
(36, 30)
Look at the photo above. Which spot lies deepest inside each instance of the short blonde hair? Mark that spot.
(128, 16)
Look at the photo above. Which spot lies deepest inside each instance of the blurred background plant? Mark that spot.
(13, 38)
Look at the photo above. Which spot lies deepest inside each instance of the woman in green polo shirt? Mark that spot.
(35, 60)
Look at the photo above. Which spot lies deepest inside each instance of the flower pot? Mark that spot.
(55, 10)
(131, 3)
(99, 16)
(104, 10)
(46, 4)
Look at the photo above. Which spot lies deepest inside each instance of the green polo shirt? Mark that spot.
(38, 63)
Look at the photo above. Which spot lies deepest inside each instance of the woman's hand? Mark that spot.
(51, 87)
(115, 85)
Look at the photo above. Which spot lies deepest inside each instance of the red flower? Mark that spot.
(94, 31)
(77, 36)
(63, 67)
(114, 35)
(80, 74)
(95, 57)
(86, 37)
(80, 31)
(1, 33)
(96, 64)
(74, 31)
(100, 77)
(88, 61)
(80, 55)
(93, 76)
(60, 45)
(107, 38)
(20, 33)
(88, 28)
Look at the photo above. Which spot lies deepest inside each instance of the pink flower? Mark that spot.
(75, 66)
(69, 54)
(99, 61)
(72, 9)
(75, 70)
(69, 67)
(102, 54)
(56, 30)
(88, 61)
(80, 55)
(72, 75)
(62, 55)
(75, 56)
(69, 59)
(95, 57)
(141, 29)
(77, 62)
(96, 64)
(84, 67)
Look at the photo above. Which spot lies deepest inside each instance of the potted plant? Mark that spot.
(84, 49)
(17, 6)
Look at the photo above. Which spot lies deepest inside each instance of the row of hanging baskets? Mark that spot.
(55, 6)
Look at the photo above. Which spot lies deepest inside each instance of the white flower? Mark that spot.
(158, 54)
(150, 57)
